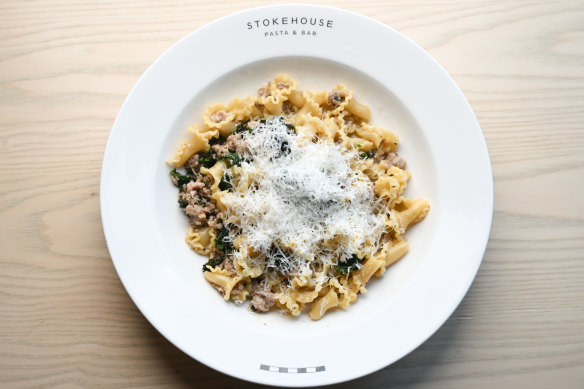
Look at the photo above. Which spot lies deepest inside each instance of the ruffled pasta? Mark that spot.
(198, 142)
(201, 240)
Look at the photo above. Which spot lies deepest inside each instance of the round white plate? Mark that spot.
(408, 93)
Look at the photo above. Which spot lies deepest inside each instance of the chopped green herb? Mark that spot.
(213, 262)
(182, 203)
(290, 129)
(242, 127)
(181, 178)
(232, 159)
(191, 172)
(225, 182)
(208, 159)
(263, 121)
(202, 201)
(359, 145)
(349, 265)
(364, 155)
(214, 141)
(222, 241)
(284, 148)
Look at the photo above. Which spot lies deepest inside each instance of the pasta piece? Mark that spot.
(282, 84)
(354, 143)
(241, 109)
(359, 110)
(390, 185)
(273, 96)
(371, 169)
(363, 275)
(305, 295)
(199, 142)
(299, 281)
(201, 240)
(320, 98)
(289, 303)
(337, 100)
(345, 295)
(218, 197)
(391, 252)
(273, 104)
(415, 210)
(223, 281)
(257, 110)
(310, 107)
(247, 268)
(241, 290)
(395, 252)
(296, 98)
(217, 117)
(217, 172)
(311, 126)
(323, 304)
(384, 140)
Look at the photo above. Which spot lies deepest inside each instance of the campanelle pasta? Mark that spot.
(295, 197)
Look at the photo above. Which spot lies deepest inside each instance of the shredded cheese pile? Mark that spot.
(306, 197)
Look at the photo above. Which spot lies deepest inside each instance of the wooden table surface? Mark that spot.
(66, 67)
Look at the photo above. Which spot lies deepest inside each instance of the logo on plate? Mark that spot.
(290, 26)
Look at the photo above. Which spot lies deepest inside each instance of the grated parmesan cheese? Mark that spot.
(307, 206)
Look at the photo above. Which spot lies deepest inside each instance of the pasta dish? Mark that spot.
(294, 197)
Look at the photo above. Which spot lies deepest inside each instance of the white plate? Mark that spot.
(408, 92)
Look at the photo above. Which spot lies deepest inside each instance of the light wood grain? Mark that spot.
(65, 68)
